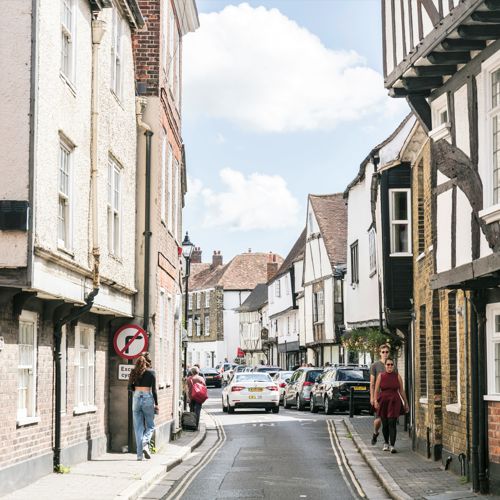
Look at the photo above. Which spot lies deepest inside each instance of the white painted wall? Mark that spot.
(14, 125)
(201, 353)
(443, 254)
(283, 301)
(232, 300)
(361, 304)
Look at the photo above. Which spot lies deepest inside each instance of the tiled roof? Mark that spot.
(243, 272)
(256, 300)
(331, 213)
(295, 254)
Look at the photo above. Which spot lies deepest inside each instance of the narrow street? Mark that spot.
(263, 455)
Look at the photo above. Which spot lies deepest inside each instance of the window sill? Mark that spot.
(80, 410)
(454, 408)
(424, 401)
(491, 397)
(65, 250)
(491, 214)
(67, 81)
(21, 422)
(402, 254)
(441, 132)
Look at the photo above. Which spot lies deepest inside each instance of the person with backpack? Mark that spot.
(197, 392)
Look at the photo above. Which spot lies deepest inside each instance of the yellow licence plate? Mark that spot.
(255, 389)
(255, 397)
(360, 388)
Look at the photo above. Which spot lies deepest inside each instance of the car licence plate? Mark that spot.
(360, 388)
(254, 397)
(255, 389)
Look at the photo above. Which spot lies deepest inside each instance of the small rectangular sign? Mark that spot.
(124, 371)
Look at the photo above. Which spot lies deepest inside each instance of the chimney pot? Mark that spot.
(216, 258)
(196, 256)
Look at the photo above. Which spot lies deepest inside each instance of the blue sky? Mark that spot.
(281, 99)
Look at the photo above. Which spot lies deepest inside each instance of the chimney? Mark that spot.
(216, 259)
(196, 256)
(272, 266)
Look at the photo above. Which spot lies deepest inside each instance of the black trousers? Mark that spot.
(389, 430)
(196, 409)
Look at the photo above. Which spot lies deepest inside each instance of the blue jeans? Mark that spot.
(196, 409)
(143, 409)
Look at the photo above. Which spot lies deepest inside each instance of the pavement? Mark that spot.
(405, 475)
(117, 476)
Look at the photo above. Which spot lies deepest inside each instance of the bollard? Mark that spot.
(351, 402)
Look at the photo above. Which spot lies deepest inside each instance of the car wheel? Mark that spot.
(276, 409)
(286, 404)
(230, 409)
(328, 406)
(268, 410)
(299, 404)
(224, 408)
(312, 407)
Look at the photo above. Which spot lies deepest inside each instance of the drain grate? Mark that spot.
(428, 469)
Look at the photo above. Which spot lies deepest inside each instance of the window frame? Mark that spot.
(81, 406)
(66, 150)
(399, 222)
(114, 207)
(354, 253)
(68, 33)
(277, 288)
(117, 25)
(372, 251)
(206, 325)
(163, 204)
(170, 173)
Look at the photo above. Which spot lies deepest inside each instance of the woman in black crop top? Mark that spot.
(142, 382)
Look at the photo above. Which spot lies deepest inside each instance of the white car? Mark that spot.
(280, 378)
(251, 390)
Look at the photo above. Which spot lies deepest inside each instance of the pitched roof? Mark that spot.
(295, 254)
(256, 300)
(331, 213)
(243, 272)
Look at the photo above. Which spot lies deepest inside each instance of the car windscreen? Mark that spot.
(209, 372)
(312, 375)
(252, 377)
(267, 369)
(353, 375)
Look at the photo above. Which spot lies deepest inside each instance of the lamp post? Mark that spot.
(187, 251)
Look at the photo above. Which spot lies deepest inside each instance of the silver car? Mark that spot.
(298, 389)
(280, 378)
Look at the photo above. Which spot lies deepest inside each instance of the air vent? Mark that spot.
(13, 215)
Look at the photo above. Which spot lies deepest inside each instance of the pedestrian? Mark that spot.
(390, 403)
(328, 364)
(194, 378)
(142, 382)
(309, 365)
(375, 369)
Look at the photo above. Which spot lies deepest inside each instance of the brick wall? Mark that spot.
(494, 430)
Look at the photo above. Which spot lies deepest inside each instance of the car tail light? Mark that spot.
(217, 377)
(307, 383)
(272, 388)
(282, 384)
(236, 388)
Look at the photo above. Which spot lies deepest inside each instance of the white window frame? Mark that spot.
(170, 204)
(320, 304)
(197, 324)
(492, 339)
(117, 53)
(65, 196)
(68, 33)
(164, 177)
(354, 252)
(84, 396)
(372, 250)
(277, 288)
(190, 301)
(171, 48)
(164, 35)
(161, 339)
(190, 327)
(394, 222)
(114, 207)
(27, 364)
(207, 299)
(206, 325)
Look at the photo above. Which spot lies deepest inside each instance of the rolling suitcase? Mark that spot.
(188, 421)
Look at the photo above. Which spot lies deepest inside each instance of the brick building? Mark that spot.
(67, 265)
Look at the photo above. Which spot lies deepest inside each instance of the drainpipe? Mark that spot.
(467, 383)
(58, 326)
(98, 28)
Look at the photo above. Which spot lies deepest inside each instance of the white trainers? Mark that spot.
(386, 447)
(393, 450)
(146, 451)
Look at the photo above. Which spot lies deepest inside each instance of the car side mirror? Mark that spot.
(317, 378)
(287, 381)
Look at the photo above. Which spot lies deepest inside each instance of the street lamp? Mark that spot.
(187, 251)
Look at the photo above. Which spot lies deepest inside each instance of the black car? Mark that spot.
(332, 388)
(211, 376)
(298, 389)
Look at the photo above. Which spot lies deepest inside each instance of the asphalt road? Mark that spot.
(281, 456)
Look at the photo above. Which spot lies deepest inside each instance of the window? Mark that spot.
(175, 201)
(170, 204)
(116, 53)
(354, 263)
(114, 207)
(453, 350)
(164, 35)
(161, 339)
(190, 327)
(67, 38)
(198, 327)
(400, 221)
(287, 285)
(423, 350)
(64, 209)
(190, 301)
(207, 300)
(277, 288)
(493, 348)
(177, 69)
(420, 208)
(494, 115)
(318, 307)
(84, 368)
(26, 366)
(372, 249)
(207, 326)
(164, 177)
(171, 47)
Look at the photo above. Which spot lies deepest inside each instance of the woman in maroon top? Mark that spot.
(391, 396)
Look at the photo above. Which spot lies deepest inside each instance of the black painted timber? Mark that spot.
(449, 57)
(492, 4)
(479, 32)
(436, 70)
(460, 45)
(423, 83)
(486, 17)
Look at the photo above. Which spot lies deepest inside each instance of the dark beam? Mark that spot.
(397, 92)
(474, 32)
(424, 83)
(483, 16)
(457, 45)
(449, 57)
(436, 70)
(421, 109)
(431, 10)
(492, 4)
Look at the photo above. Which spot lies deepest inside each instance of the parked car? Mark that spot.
(250, 390)
(211, 376)
(280, 378)
(240, 368)
(226, 371)
(272, 370)
(332, 389)
(298, 388)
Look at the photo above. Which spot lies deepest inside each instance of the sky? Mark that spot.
(281, 98)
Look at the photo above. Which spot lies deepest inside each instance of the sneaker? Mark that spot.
(139, 459)
(386, 447)
(374, 439)
(146, 452)
(393, 450)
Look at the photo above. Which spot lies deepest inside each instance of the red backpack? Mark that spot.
(199, 393)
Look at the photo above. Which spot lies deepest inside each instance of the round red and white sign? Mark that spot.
(130, 341)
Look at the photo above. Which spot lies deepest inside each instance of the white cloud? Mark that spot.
(256, 201)
(260, 69)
